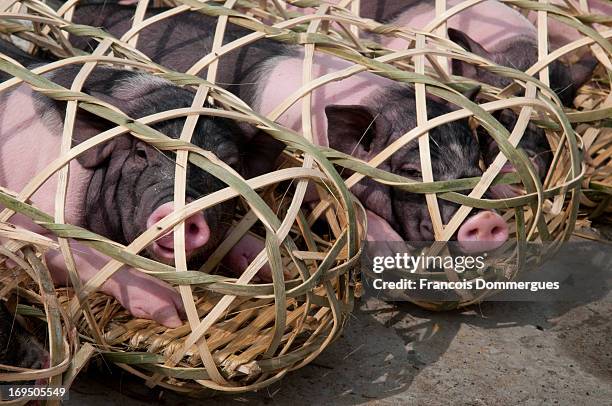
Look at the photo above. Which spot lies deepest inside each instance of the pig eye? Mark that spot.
(410, 171)
(141, 152)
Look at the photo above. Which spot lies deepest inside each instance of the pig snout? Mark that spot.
(482, 232)
(197, 233)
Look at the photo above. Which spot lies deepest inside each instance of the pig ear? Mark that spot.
(462, 68)
(354, 129)
(88, 125)
(260, 155)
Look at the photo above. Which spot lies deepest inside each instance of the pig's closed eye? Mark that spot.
(410, 172)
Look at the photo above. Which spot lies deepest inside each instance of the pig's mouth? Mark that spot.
(509, 191)
(163, 249)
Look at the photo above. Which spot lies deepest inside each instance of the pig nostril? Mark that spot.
(197, 232)
(495, 230)
(473, 232)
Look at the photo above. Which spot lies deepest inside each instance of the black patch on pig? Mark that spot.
(18, 347)
(178, 42)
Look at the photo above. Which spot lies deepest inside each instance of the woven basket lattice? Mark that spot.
(242, 336)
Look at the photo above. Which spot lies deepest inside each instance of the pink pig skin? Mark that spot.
(288, 73)
(488, 23)
(24, 136)
(561, 34)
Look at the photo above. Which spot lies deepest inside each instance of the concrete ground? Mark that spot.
(546, 353)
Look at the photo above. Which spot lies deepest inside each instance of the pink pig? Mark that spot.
(360, 116)
(561, 34)
(122, 187)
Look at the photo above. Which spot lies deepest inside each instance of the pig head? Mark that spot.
(517, 53)
(364, 131)
(132, 183)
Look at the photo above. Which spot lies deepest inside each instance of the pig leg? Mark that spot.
(245, 252)
(379, 229)
(142, 295)
(382, 238)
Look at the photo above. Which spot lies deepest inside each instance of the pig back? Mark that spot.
(29, 141)
(488, 23)
(178, 42)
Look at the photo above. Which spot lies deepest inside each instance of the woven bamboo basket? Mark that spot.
(243, 337)
(30, 288)
(547, 211)
(596, 202)
(240, 336)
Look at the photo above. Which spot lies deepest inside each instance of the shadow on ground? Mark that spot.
(390, 353)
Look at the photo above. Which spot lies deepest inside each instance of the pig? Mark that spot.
(490, 29)
(122, 187)
(501, 34)
(170, 42)
(343, 112)
(560, 34)
(504, 36)
(362, 115)
(18, 347)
